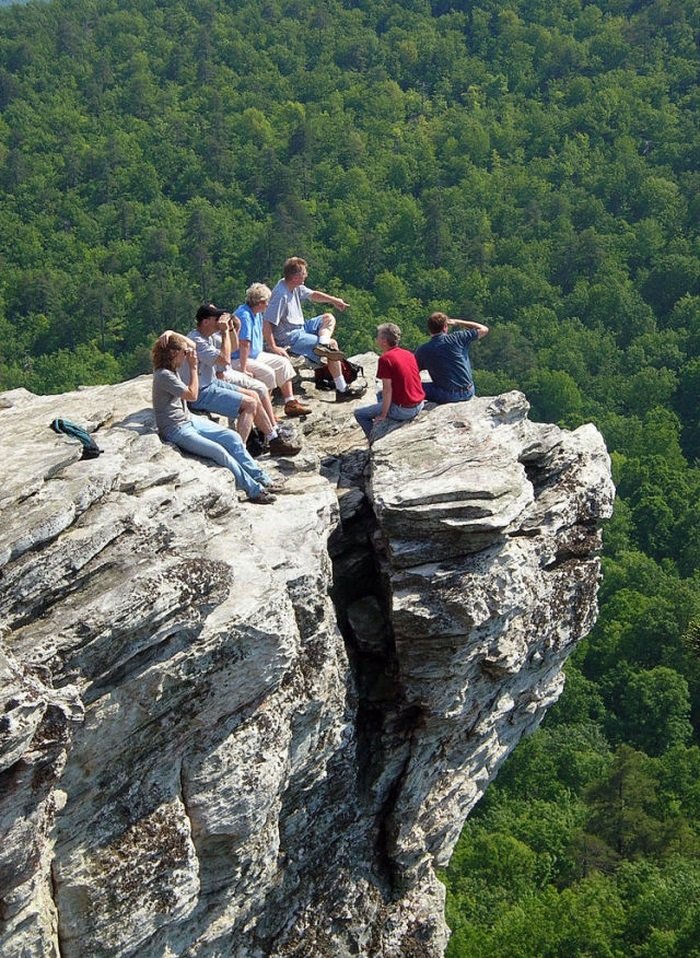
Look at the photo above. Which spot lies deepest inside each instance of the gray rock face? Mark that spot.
(231, 730)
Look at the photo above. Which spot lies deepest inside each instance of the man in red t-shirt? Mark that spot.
(402, 394)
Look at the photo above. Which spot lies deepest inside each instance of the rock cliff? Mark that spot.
(243, 731)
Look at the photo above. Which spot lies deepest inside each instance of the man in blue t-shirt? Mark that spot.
(446, 357)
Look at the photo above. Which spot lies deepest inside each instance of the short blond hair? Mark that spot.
(257, 293)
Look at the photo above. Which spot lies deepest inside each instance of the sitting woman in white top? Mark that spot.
(197, 434)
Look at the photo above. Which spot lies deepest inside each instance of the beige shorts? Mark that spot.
(270, 368)
(247, 382)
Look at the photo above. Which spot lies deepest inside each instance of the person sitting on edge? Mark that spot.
(446, 357)
(197, 434)
(244, 382)
(402, 395)
(286, 329)
(226, 399)
(273, 369)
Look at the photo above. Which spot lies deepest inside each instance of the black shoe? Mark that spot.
(352, 392)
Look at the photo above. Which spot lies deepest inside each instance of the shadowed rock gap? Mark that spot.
(362, 601)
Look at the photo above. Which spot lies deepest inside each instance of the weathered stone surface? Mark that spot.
(230, 730)
(492, 575)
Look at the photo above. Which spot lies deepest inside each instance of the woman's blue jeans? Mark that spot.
(207, 439)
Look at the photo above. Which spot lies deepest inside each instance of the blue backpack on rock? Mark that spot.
(90, 448)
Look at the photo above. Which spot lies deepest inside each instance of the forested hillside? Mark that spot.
(529, 163)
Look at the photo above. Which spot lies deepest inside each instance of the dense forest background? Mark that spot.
(529, 163)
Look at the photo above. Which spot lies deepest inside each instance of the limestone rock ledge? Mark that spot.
(244, 731)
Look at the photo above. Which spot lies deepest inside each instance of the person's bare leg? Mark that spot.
(246, 416)
(256, 412)
(292, 407)
(259, 391)
(263, 421)
(287, 390)
(266, 401)
(326, 330)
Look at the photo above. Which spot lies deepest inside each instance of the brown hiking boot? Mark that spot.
(280, 447)
(328, 352)
(294, 408)
(263, 498)
(277, 484)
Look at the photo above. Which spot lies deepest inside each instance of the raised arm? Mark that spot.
(234, 326)
(468, 324)
(192, 391)
(224, 328)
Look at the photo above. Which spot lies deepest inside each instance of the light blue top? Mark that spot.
(251, 330)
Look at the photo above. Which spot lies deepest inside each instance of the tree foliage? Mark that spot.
(528, 164)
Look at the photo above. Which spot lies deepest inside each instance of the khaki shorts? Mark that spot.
(269, 368)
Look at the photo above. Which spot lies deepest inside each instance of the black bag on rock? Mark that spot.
(256, 443)
(324, 380)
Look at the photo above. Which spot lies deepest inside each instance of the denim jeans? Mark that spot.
(365, 414)
(441, 396)
(219, 397)
(204, 438)
(301, 342)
